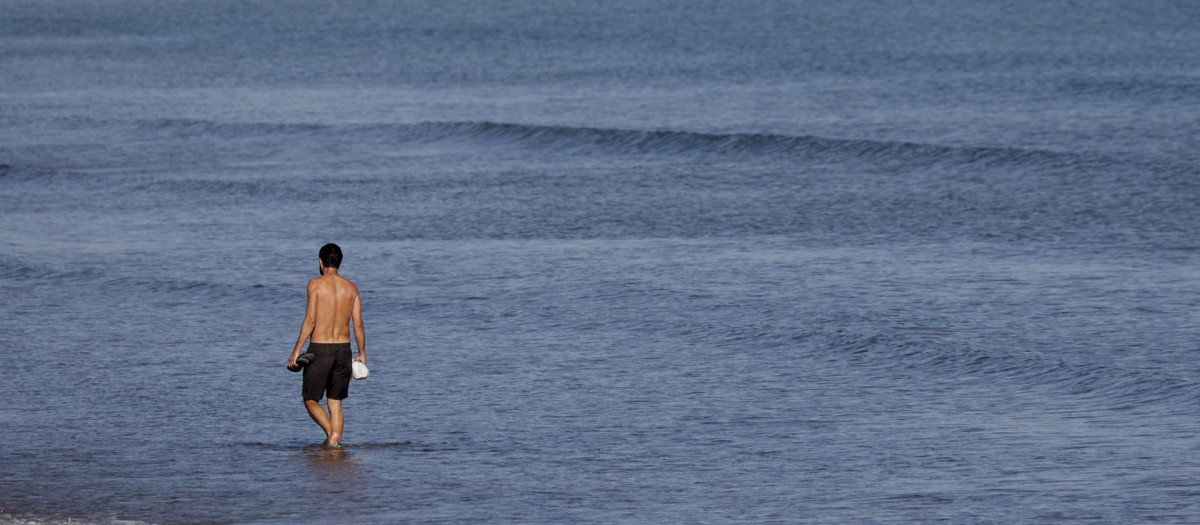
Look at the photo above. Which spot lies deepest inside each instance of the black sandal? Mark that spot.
(303, 361)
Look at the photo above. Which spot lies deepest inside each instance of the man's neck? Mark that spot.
(329, 271)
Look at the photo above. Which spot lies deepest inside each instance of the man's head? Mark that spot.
(331, 256)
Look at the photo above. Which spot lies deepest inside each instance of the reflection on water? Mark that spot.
(333, 468)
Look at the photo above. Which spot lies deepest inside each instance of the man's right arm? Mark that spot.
(309, 323)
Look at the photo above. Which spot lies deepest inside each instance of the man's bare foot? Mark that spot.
(334, 440)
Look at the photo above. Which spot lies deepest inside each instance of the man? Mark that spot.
(333, 302)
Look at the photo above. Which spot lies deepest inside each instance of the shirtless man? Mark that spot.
(333, 302)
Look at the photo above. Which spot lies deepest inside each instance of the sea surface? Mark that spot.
(627, 261)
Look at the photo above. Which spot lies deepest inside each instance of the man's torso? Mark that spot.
(334, 296)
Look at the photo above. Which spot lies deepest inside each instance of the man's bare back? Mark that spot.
(332, 302)
(333, 305)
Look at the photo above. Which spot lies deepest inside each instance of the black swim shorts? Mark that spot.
(329, 374)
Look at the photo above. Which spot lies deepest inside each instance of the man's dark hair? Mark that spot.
(331, 256)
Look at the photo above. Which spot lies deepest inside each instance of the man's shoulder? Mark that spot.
(318, 283)
(332, 282)
(340, 281)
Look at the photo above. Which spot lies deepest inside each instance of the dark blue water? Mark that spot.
(641, 262)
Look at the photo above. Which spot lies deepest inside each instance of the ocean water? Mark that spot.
(622, 262)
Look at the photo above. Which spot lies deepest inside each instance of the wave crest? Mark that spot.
(588, 140)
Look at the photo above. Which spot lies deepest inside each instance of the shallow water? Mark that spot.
(868, 263)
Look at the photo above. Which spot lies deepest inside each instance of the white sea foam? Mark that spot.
(7, 519)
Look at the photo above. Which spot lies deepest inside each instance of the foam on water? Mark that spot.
(27, 520)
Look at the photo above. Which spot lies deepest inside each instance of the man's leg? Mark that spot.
(336, 421)
(318, 414)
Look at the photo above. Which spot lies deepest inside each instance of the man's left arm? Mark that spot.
(360, 331)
